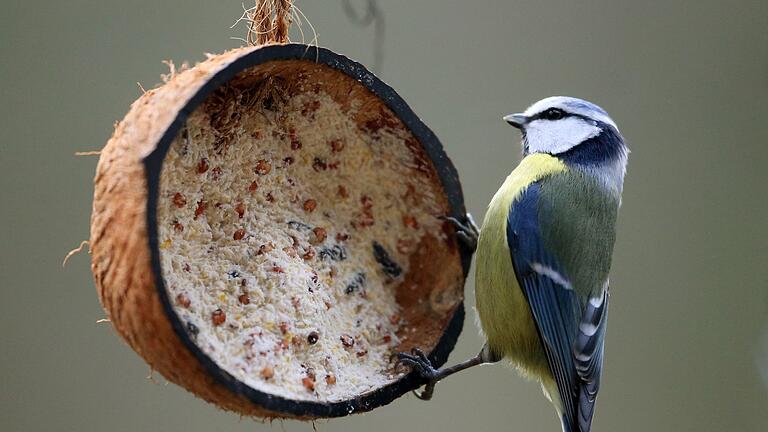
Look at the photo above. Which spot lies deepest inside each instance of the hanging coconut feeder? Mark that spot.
(268, 232)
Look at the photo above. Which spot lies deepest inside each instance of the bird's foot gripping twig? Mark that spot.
(421, 364)
(466, 230)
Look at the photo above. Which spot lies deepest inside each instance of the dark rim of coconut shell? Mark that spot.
(445, 171)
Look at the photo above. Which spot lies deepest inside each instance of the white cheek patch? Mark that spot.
(546, 136)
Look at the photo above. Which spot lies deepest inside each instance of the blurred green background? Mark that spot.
(686, 81)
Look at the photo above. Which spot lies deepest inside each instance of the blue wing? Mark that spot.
(572, 331)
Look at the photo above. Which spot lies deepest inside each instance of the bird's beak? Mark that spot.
(516, 120)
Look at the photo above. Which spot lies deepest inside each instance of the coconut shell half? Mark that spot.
(252, 134)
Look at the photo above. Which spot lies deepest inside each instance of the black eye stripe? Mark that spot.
(559, 114)
(551, 114)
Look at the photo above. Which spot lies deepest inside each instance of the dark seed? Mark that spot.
(357, 283)
(299, 226)
(192, 329)
(313, 337)
(388, 266)
(333, 253)
(319, 164)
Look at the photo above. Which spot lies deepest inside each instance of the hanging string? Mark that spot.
(372, 15)
(268, 22)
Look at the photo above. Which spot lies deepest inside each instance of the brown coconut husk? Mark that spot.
(122, 248)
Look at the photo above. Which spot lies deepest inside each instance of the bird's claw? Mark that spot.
(421, 364)
(419, 361)
(466, 230)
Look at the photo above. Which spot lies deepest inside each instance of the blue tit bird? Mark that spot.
(544, 255)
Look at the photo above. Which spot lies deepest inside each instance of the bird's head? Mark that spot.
(579, 133)
(559, 124)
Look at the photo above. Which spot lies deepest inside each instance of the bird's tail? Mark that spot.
(567, 425)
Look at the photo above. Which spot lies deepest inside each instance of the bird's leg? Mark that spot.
(421, 364)
(466, 230)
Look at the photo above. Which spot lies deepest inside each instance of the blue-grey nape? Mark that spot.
(581, 104)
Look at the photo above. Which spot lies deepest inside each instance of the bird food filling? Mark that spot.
(284, 229)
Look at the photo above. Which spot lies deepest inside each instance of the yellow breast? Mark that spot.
(504, 313)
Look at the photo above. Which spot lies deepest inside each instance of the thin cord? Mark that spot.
(373, 16)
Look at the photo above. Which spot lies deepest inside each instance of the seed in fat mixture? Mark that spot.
(388, 265)
(268, 372)
(183, 301)
(243, 299)
(216, 173)
(299, 226)
(319, 235)
(179, 200)
(202, 166)
(201, 206)
(263, 167)
(218, 317)
(347, 340)
(192, 329)
(310, 108)
(239, 234)
(310, 205)
(309, 254)
(334, 253)
(337, 145)
(330, 379)
(313, 337)
(265, 248)
(319, 164)
(357, 283)
(308, 383)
